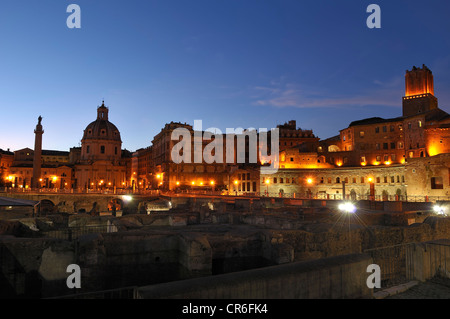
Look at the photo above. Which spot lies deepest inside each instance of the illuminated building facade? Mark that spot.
(100, 165)
(382, 148)
(389, 152)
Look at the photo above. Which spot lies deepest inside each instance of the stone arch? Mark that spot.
(115, 204)
(353, 195)
(47, 206)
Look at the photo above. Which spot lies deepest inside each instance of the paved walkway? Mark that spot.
(436, 288)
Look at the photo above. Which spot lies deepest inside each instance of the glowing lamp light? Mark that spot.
(193, 183)
(212, 182)
(158, 176)
(347, 207)
(387, 163)
(309, 180)
(370, 179)
(127, 198)
(201, 183)
(54, 178)
(178, 183)
(363, 163)
(267, 181)
(235, 182)
(440, 210)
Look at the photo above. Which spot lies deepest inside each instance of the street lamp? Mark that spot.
(372, 188)
(267, 181)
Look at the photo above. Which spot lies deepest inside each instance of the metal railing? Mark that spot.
(72, 233)
(108, 191)
(438, 259)
(295, 195)
(396, 263)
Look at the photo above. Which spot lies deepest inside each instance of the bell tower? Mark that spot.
(419, 92)
(102, 112)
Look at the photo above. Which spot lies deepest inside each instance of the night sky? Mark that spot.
(229, 63)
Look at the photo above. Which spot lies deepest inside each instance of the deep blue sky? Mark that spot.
(230, 63)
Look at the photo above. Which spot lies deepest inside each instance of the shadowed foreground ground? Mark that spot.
(436, 288)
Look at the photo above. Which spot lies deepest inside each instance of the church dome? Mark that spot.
(101, 128)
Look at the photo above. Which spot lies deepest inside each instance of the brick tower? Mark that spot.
(37, 160)
(419, 92)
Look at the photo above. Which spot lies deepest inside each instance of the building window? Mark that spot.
(115, 150)
(392, 128)
(361, 134)
(393, 146)
(409, 126)
(377, 130)
(377, 146)
(400, 127)
(281, 180)
(88, 148)
(385, 146)
(400, 145)
(274, 180)
(385, 128)
(338, 180)
(411, 154)
(354, 180)
(362, 180)
(437, 183)
(420, 123)
(329, 180)
(378, 158)
(386, 158)
(392, 179)
(292, 159)
(378, 180)
(385, 179)
(102, 149)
